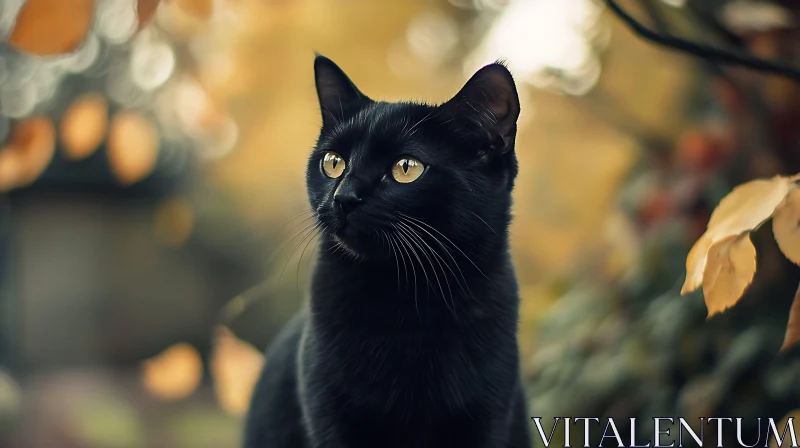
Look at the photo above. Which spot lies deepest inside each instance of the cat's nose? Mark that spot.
(348, 196)
(347, 201)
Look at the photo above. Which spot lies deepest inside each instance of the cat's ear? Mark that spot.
(489, 105)
(337, 94)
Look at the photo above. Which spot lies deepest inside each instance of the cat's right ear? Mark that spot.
(337, 94)
(488, 108)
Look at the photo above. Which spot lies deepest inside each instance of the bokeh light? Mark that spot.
(546, 43)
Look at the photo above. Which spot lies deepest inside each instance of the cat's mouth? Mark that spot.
(345, 242)
(357, 233)
(344, 233)
(353, 240)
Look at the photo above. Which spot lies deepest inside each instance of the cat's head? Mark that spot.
(385, 175)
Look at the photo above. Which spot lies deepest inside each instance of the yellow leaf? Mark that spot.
(730, 267)
(785, 225)
(793, 327)
(235, 367)
(174, 373)
(696, 264)
(748, 205)
(742, 210)
(145, 10)
(50, 27)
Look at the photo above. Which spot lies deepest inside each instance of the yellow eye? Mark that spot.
(407, 169)
(333, 164)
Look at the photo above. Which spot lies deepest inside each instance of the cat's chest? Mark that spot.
(461, 431)
(373, 348)
(417, 372)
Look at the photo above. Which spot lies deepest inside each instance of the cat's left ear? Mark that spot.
(336, 92)
(488, 103)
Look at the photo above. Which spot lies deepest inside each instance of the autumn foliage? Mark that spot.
(55, 27)
(723, 260)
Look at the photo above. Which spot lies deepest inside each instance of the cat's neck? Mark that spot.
(478, 260)
(457, 287)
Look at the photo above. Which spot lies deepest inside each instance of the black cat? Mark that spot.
(409, 339)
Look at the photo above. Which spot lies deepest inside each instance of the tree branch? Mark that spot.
(718, 55)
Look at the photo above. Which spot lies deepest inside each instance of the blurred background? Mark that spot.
(152, 158)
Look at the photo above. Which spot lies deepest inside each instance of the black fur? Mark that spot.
(409, 339)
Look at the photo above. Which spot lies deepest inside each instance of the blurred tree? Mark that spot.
(99, 159)
(633, 347)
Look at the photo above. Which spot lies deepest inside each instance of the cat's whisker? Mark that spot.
(264, 232)
(275, 253)
(318, 232)
(237, 305)
(413, 128)
(388, 239)
(402, 254)
(414, 238)
(234, 307)
(407, 122)
(295, 216)
(436, 257)
(455, 246)
(442, 264)
(408, 250)
(294, 249)
(414, 273)
(396, 251)
(402, 258)
(419, 241)
(465, 285)
(486, 223)
(415, 252)
(316, 246)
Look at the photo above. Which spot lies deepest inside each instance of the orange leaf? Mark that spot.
(748, 205)
(51, 27)
(27, 153)
(786, 225)
(145, 10)
(84, 126)
(133, 147)
(793, 327)
(235, 366)
(730, 267)
(742, 210)
(174, 373)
